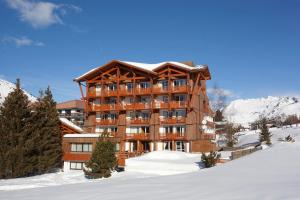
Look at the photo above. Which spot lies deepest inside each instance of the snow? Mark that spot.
(164, 163)
(245, 111)
(6, 87)
(148, 67)
(86, 135)
(70, 124)
(272, 173)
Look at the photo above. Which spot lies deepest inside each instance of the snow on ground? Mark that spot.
(249, 137)
(164, 163)
(149, 165)
(272, 173)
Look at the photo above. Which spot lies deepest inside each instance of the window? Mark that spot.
(84, 147)
(144, 85)
(180, 98)
(165, 99)
(76, 165)
(179, 82)
(117, 147)
(180, 113)
(112, 87)
(129, 86)
(164, 84)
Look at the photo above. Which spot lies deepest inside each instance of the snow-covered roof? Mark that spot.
(71, 125)
(81, 135)
(145, 67)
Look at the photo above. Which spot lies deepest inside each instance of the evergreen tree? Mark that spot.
(48, 130)
(265, 135)
(14, 115)
(103, 160)
(211, 159)
(230, 131)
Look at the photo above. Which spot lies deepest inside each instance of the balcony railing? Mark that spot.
(106, 121)
(105, 107)
(138, 91)
(173, 120)
(138, 121)
(137, 136)
(161, 105)
(207, 136)
(137, 106)
(110, 134)
(172, 136)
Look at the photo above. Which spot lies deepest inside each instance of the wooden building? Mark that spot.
(72, 110)
(145, 107)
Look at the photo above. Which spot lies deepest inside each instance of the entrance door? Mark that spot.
(179, 146)
(146, 146)
(168, 145)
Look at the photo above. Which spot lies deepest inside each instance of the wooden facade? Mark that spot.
(149, 107)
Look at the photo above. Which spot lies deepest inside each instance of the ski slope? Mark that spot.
(245, 111)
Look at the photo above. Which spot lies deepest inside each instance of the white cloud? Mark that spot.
(22, 41)
(41, 14)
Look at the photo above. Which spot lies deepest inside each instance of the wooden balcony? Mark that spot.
(207, 136)
(161, 105)
(142, 91)
(138, 136)
(172, 136)
(138, 121)
(109, 93)
(105, 107)
(179, 89)
(106, 122)
(110, 135)
(137, 106)
(160, 90)
(178, 104)
(171, 120)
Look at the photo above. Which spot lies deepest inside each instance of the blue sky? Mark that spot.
(252, 47)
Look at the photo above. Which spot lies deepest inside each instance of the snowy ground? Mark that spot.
(272, 173)
(150, 165)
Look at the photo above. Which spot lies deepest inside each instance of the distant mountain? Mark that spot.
(245, 111)
(6, 87)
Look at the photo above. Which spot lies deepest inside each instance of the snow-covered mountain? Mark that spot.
(245, 111)
(6, 87)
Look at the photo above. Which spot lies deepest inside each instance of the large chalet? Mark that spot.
(142, 108)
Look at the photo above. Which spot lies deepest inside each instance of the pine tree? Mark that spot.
(265, 135)
(49, 132)
(230, 131)
(103, 160)
(211, 159)
(14, 115)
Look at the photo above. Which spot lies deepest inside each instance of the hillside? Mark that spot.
(272, 173)
(6, 87)
(245, 111)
